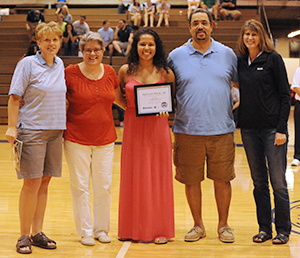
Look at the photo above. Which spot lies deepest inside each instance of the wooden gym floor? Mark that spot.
(59, 223)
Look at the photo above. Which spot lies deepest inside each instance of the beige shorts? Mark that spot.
(191, 151)
(123, 45)
(41, 153)
(231, 13)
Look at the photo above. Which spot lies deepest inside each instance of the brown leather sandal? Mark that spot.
(41, 240)
(24, 245)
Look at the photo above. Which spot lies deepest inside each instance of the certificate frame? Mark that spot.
(151, 99)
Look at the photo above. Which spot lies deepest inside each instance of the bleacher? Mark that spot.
(14, 41)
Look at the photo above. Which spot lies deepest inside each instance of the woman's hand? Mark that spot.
(21, 103)
(280, 138)
(11, 134)
(163, 114)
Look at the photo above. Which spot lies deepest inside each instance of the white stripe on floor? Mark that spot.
(124, 250)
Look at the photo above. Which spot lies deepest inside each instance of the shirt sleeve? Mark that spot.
(284, 92)
(87, 28)
(129, 29)
(21, 78)
(296, 79)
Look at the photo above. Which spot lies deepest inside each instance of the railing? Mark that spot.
(262, 12)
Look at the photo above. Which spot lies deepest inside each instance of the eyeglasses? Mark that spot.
(203, 23)
(90, 51)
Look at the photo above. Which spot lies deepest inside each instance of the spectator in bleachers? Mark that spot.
(149, 13)
(192, 5)
(34, 17)
(59, 4)
(70, 40)
(66, 13)
(228, 10)
(135, 10)
(61, 23)
(212, 6)
(80, 26)
(123, 37)
(107, 33)
(123, 5)
(163, 9)
(32, 49)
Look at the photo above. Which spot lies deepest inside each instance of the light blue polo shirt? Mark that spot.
(43, 89)
(203, 83)
(107, 35)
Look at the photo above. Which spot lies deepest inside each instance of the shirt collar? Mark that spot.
(41, 60)
(249, 60)
(192, 50)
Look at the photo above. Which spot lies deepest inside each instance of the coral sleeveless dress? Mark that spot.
(146, 204)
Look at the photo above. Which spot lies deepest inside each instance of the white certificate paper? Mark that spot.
(150, 99)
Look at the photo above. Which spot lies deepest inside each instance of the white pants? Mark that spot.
(93, 162)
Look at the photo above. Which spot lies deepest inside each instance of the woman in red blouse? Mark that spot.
(92, 88)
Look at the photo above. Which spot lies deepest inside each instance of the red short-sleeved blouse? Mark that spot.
(89, 117)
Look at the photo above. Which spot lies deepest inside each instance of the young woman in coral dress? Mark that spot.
(146, 209)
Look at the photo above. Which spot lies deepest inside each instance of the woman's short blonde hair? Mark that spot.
(90, 36)
(60, 16)
(45, 28)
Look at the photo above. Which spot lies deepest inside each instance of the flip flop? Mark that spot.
(282, 239)
(262, 236)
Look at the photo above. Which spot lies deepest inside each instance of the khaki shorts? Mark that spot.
(41, 153)
(191, 151)
(123, 45)
(231, 13)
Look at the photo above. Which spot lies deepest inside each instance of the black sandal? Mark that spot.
(262, 236)
(41, 240)
(283, 239)
(24, 242)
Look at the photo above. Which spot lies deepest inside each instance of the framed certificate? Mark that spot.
(150, 99)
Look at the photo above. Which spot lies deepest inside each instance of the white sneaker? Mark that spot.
(295, 162)
(104, 239)
(87, 241)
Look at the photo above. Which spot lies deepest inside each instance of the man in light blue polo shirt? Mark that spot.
(107, 33)
(203, 126)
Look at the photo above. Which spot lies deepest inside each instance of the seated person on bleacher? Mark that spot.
(107, 33)
(228, 10)
(70, 42)
(212, 6)
(123, 38)
(135, 10)
(59, 4)
(192, 5)
(149, 13)
(163, 9)
(123, 5)
(34, 17)
(66, 13)
(80, 26)
(61, 23)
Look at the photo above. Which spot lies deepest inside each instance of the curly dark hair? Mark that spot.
(159, 59)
